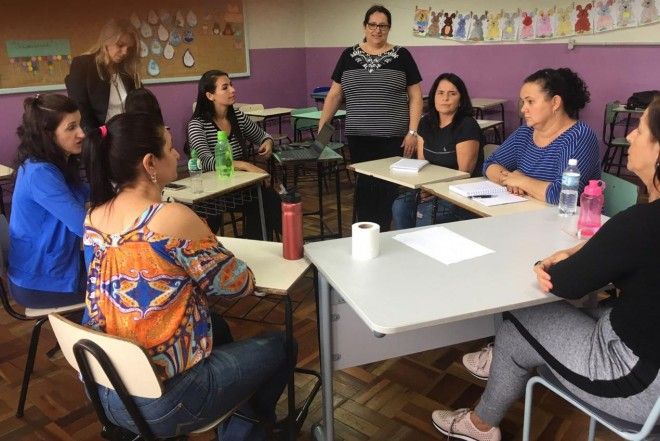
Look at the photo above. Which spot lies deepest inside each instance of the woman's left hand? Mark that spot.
(266, 149)
(514, 181)
(541, 268)
(409, 145)
(247, 166)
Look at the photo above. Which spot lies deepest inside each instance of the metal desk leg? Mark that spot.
(503, 130)
(291, 391)
(339, 232)
(261, 213)
(325, 433)
(319, 181)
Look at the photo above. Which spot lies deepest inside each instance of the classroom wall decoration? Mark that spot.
(179, 39)
(527, 23)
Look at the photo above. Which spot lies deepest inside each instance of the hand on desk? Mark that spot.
(542, 267)
(409, 146)
(266, 149)
(247, 166)
(514, 181)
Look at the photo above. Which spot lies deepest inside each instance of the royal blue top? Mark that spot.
(46, 224)
(519, 152)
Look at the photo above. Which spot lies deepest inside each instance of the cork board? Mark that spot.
(38, 39)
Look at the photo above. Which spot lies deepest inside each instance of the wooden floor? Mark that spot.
(389, 400)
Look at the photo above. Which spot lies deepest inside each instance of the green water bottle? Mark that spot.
(224, 158)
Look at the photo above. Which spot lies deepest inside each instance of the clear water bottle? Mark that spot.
(224, 158)
(570, 181)
(195, 170)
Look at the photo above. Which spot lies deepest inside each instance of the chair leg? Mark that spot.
(29, 365)
(592, 429)
(527, 422)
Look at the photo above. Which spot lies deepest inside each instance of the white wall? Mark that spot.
(275, 24)
(338, 23)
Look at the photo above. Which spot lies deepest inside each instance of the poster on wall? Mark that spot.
(531, 23)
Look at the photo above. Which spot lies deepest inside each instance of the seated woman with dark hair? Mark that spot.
(152, 268)
(607, 357)
(215, 111)
(532, 159)
(48, 206)
(450, 137)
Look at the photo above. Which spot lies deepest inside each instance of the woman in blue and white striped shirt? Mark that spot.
(531, 160)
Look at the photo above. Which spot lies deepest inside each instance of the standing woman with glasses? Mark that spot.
(380, 84)
(100, 80)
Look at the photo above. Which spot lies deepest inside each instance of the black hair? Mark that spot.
(113, 161)
(41, 116)
(143, 100)
(377, 8)
(204, 108)
(464, 104)
(566, 84)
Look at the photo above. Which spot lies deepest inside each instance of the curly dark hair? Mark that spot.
(566, 84)
(41, 116)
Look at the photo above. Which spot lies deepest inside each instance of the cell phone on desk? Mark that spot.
(174, 186)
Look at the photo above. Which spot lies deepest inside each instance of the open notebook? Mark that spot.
(486, 193)
(408, 165)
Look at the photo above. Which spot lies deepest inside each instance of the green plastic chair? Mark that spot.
(619, 194)
(300, 125)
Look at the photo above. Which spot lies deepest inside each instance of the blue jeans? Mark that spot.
(254, 371)
(405, 216)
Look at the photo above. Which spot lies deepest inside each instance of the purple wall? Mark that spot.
(497, 71)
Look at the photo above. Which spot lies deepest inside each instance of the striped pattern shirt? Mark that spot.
(203, 135)
(519, 152)
(375, 88)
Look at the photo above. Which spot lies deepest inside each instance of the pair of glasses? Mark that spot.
(382, 27)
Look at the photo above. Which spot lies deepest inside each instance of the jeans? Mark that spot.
(253, 372)
(404, 214)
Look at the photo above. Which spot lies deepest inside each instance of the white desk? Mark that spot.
(220, 195)
(481, 105)
(420, 303)
(488, 124)
(441, 190)
(273, 112)
(380, 168)
(316, 115)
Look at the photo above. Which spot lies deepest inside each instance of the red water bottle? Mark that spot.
(292, 231)
(591, 206)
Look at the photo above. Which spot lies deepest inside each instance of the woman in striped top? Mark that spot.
(531, 161)
(380, 84)
(215, 111)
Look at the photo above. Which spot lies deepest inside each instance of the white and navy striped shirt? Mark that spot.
(203, 135)
(375, 88)
(519, 152)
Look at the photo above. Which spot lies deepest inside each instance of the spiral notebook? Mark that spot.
(486, 193)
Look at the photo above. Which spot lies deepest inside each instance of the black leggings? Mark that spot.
(373, 197)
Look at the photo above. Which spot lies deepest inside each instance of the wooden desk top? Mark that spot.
(213, 186)
(485, 103)
(380, 168)
(273, 273)
(441, 190)
(5, 172)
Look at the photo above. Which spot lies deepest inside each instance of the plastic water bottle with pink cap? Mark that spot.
(591, 207)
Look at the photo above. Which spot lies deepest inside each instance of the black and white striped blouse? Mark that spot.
(203, 135)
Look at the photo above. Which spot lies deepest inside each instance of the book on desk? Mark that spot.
(486, 193)
(408, 165)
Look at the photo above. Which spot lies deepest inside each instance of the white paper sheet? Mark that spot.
(442, 244)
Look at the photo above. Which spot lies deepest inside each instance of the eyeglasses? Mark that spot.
(382, 27)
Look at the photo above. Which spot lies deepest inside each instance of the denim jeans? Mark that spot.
(405, 216)
(253, 371)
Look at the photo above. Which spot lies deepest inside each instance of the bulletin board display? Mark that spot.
(179, 39)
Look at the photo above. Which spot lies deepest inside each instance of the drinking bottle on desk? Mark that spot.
(195, 170)
(570, 181)
(591, 207)
(224, 157)
(292, 230)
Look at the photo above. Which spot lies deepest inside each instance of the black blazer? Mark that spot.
(90, 92)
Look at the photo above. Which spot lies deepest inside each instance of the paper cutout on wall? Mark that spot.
(510, 24)
(434, 27)
(649, 12)
(604, 19)
(493, 25)
(527, 24)
(545, 23)
(564, 20)
(421, 21)
(477, 27)
(462, 28)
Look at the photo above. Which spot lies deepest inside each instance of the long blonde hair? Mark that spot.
(111, 32)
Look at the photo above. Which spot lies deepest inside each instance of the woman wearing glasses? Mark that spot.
(379, 83)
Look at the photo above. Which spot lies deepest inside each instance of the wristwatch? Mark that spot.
(412, 132)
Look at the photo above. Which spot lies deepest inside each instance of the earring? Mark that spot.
(154, 178)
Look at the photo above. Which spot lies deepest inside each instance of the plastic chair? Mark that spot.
(300, 125)
(317, 99)
(39, 316)
(619, 194)
(624, 429)
(614, 145)
(116, 363)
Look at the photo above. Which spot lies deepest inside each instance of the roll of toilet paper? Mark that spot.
(365, 241)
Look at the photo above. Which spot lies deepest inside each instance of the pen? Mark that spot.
(481, 196)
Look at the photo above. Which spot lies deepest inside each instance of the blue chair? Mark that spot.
(619, 194)
(319, 94)
(624, 429)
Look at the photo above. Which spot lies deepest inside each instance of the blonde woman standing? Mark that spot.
(100, 79)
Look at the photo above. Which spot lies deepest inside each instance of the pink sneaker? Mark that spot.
(478, 363)
(458, 425)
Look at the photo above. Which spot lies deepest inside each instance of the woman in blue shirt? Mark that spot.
(48, 206)
(532, 160)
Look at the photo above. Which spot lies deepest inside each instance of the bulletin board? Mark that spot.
(179, 39)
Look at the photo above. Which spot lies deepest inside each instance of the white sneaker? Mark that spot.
(457, 424)
(478, 363)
